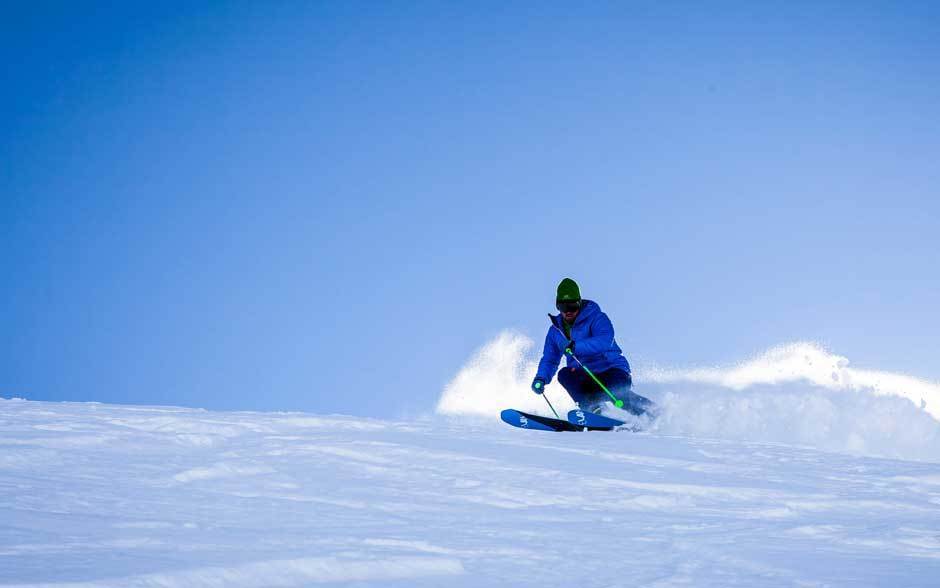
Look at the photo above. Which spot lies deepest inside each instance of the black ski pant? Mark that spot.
(587, 394)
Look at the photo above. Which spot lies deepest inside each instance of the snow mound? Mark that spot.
(808, 363)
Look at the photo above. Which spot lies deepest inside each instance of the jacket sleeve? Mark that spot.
(551, 357)
(601, 339)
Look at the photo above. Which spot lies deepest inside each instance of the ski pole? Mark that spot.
(550, 405)
(538, 384)
(617, 402)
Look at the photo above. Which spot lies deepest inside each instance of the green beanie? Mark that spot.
(568, 290)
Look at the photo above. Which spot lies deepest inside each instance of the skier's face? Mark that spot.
(569, 310)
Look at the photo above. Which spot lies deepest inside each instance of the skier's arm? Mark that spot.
(551, 357)
(601, 339)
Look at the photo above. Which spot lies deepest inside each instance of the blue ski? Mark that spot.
(525, 420)
(589, 419)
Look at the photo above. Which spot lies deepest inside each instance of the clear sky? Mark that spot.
(328, 206)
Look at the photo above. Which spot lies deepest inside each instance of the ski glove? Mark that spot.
(538, 385)
(570, 345)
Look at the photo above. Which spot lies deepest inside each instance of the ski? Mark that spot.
(601, 422)
(525, 420)
(589, 419)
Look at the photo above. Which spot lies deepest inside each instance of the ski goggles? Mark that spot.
(568, 306)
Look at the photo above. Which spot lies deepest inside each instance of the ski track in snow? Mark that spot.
(103, 495)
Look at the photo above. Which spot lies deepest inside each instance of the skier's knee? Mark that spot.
(567, 379)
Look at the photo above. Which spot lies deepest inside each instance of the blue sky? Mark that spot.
(329, 206)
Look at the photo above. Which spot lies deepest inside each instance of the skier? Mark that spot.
(585, 330)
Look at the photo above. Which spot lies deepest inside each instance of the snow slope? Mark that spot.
(101, 495)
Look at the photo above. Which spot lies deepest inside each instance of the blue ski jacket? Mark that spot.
(594, 344)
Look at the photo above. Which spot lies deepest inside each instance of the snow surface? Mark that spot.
(791, 469)
(104, 495)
